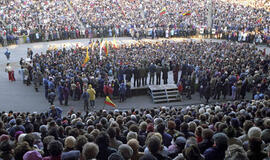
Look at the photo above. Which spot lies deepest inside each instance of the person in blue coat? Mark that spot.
(122, 91)
(85, 97)
(60, 90)
(55, 112)
(7, 54)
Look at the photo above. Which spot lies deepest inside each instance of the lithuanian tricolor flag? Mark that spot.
(187, 13)
(259, 20)
(86, 57)
(109, 102)
(163, 11)
(106, 48)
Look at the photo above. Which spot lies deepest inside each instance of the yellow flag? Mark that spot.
(114, 43)
(86, 57)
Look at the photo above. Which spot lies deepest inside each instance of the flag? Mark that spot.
(106, 48)
(187, 13)
(100, 50)
(109, 102)
(163, 11)
(114, 43)
(259, 20)
(86, 57)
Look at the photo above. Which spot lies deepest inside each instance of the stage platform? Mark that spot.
(164, 93)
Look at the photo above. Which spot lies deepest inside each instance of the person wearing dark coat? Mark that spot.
(225, 88)
(66, 94)
(60, 91)
(158, 74)
(102, 141)
(255, 151)
(217, 152)
(142, 75)
(128, 74)
(207, 92)
(175, 73)
(207, 142)
(136, 75)
(243, 89)
(152, 70)
(218, 89)
(51, 96)
(165, 71)
(145, 75)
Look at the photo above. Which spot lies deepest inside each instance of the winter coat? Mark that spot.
(92, 93)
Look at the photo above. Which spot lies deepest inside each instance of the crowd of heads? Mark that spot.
(30, 17)
(231, 130)
(211, 68)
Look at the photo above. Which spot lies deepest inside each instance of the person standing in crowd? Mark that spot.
(66, 94)
(165, 71)
(85, 97)
(7, 54)
(60, 92)
(158, 74)
(51, 96)
(136, 76)
(92, 95)
(175, 73)
(234, 90)
(55, 112)
(152, 70)
(122, 92)
(10, 72)
(30, 53)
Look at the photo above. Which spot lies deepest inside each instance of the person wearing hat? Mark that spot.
(177, 147)
(217, 152)
(32, 155)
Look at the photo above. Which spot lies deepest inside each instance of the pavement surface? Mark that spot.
(21, 98)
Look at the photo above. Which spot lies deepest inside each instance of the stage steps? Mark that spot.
(164, 93)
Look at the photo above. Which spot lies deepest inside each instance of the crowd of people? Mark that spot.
(41, 21)
(215, 70)
(234, 130)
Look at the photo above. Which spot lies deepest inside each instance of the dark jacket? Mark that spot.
(204, 145)
(256, 155)
(214, 153)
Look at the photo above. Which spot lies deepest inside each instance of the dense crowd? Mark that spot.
(215, 70)
(41, 21)
(235, 130)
